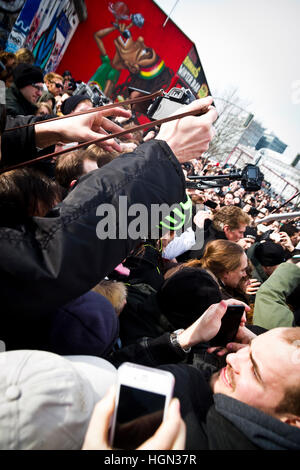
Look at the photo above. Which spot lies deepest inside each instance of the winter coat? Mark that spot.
(271, 307)
(54, 259)
(16, 104)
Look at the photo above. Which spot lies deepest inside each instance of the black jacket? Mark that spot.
(18, 145)
(16, 104)
(55, 259)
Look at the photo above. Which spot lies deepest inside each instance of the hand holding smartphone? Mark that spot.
(142, 399)
(229, 325)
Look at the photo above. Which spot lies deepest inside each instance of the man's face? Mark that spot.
(210, 193)
(232, 278)
(228, 199)
(55, 86)
(259, 374)
(32, 92)
(236, 234)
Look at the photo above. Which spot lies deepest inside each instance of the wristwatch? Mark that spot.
(175, 342)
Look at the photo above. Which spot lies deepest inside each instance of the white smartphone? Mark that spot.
(275, 237)
(142, 399)
(263, 228)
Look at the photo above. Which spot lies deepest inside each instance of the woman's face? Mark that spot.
(232, 278)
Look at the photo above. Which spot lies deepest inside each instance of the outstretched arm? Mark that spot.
(99, 35)
(81, 128)
(86, 227)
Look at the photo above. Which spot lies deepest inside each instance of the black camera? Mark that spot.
(94, 93)
(251, 178)
(72, 85)
(165, 105)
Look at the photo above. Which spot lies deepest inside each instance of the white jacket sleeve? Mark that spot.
(180, 244)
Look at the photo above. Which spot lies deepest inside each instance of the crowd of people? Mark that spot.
(77, 304)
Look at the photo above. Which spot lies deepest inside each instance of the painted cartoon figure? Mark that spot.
(147, 71)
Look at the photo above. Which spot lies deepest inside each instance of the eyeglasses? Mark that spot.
(37, 87)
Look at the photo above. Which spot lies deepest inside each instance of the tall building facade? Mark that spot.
(270, 141)
(252, 134)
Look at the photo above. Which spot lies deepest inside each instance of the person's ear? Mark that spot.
(226, 229)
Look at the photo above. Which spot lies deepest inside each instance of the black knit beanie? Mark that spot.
(26, 74)
(70, 103)
(186, 295)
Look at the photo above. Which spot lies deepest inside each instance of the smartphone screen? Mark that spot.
(229, 325)
(139, 414)
(252, 173)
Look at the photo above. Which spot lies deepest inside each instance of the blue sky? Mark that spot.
(253, 45)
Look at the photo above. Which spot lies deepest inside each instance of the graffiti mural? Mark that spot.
(124, 44)
(45, 28)
(147, 70)
(20, 30)
(129, 44)
(9, 11)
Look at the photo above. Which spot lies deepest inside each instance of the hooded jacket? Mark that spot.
(54, 259)
(87, 325)
(271, 307)
(16, 104)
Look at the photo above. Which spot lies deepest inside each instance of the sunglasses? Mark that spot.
(37, 87)
(58, 85)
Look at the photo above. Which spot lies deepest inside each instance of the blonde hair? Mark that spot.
(24, 55)
(232, 216)
(43, 105)
(115, 292)
(51, 75)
